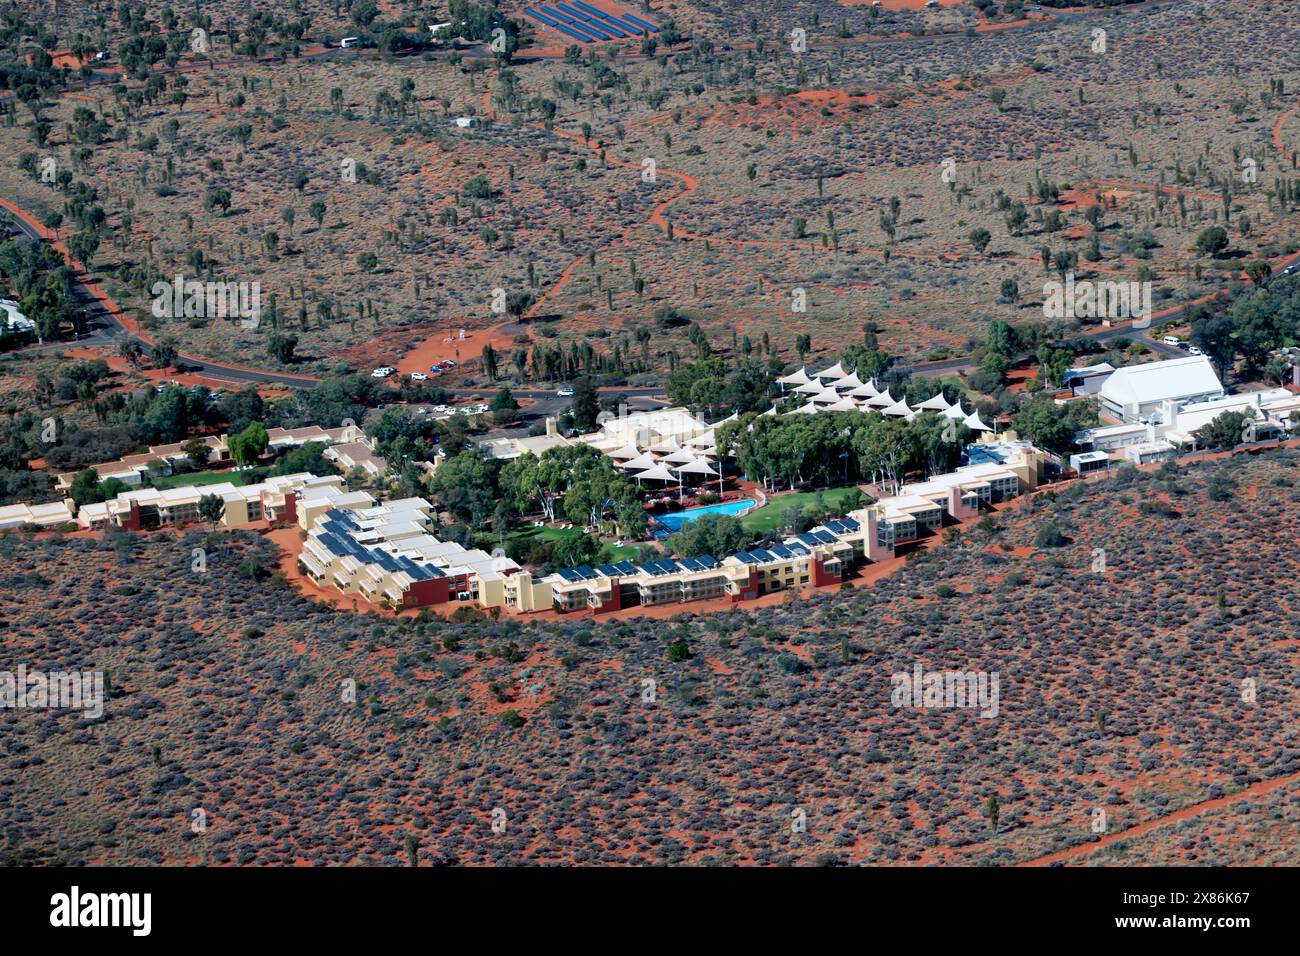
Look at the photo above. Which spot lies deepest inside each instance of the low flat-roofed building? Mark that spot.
(359, 456)
(1088, 462)
(1149, 451)
(1114, 437)
(272, 500)
(53, 514)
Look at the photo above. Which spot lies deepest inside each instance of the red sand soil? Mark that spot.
(1085, 849)
(437, 348)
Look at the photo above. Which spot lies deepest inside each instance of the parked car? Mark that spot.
(565, 392)
(447, 363)
(348, 43)
(419, 377)
(1172, 340)
(1193, 350)
(434, 370)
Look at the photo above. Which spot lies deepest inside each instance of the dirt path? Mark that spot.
(1087, 849)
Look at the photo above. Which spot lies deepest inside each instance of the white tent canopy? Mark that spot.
(935, 404)
(669, 444)
(812, 408)
(899, 409)
(795, 378)
(681, 456)
(836, 371)
(644, 460)
(628, 451)
(865, 390)
(828, 397)
(845, 404)
(657, 473)
(848, 381)
(699, 466)
(810, 388)
(974, 424)
(883, 400)
(703, 440)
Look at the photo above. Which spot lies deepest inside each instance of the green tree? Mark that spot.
(249, 445)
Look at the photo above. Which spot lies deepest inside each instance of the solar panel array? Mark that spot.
(341, 544)
(588, 24)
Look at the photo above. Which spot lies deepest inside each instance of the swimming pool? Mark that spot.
(674, 520)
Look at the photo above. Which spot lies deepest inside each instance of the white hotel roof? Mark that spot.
(1157, 381)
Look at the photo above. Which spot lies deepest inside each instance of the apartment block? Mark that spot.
(386, 554)
(275, 499)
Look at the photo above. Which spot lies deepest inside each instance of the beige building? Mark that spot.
(275, 499)
(55, 514)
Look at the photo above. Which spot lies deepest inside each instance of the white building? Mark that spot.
(1137, 392)
(15, 320)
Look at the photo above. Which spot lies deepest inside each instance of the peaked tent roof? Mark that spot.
(628, 451)
(644, 460)
(936, 403)
(795, 378)
(974, 424)
(699, 466)
(836, 371)
(657, 473)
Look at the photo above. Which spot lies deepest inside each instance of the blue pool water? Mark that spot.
(674, 520)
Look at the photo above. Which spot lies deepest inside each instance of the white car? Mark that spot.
(565, 392)
(440, 408)
(1171, 340)
(1193, 350)
(348, 43)
(419, 377)
(383, 372)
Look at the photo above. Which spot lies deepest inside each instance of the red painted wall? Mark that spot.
(426, 592)
(615, 600)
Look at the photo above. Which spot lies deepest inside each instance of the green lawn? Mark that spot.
(765, 519)
(197, 478)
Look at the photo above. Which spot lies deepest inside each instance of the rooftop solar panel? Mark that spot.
(626, 567)
(762, 555)
(709, 561)
(568, 575)
(746, 558)
(607, 569)
(825, 537)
